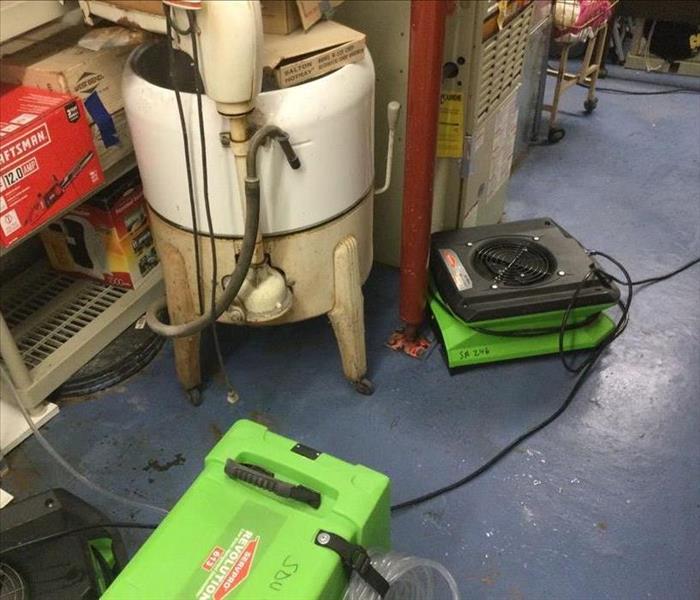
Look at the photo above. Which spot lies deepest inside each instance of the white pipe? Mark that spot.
(392, 115)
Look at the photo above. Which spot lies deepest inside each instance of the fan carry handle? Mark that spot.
(265, 480)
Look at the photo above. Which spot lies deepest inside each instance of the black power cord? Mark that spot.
(203, 153)
(60, 534)
(650, 280)
(192, 30)
(502, 453)
(535, 331)
(583, 370)
(231, 393)
(624, 92)
(620, 326)
(186, 147)
(519, 333)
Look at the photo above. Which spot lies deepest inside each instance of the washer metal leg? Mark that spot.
(347, 315)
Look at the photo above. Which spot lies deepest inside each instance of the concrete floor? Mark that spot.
(605, 503)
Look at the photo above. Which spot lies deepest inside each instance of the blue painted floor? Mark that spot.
(605, 503)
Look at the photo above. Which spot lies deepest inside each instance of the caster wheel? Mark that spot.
(364, 386)
(589, 105)
(194, 395)
(555, 135)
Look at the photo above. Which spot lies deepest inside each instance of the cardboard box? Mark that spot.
(58, 64)
(47, 158)
(301, 56)
(279, 16)
(50, 58)
(284, 16)
(311, 11)
(107, 238)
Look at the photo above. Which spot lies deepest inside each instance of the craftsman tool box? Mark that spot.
(267, 519)
(47, 158)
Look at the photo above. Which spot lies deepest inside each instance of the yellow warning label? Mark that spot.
(450, 125)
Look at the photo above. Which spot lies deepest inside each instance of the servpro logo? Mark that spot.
(24, 146)
(213, 558)
(228, 568)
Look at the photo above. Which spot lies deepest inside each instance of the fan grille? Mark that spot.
(11, 584)
(514, 262)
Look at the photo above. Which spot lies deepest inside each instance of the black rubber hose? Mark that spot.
(252, 218)
(269, 131)
(252, 196)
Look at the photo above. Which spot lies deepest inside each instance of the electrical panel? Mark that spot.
(492, 48)
(485, 44)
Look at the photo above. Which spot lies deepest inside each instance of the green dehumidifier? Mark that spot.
(267, 519)
(500, 292)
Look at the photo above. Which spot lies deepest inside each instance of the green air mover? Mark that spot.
(267, 519)
(500, 292)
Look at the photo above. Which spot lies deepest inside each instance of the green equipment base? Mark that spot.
(228, 539)
(465, 346)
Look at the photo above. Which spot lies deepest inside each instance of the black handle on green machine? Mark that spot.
(260, 478)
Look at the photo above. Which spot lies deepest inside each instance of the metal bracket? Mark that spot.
(354, 557)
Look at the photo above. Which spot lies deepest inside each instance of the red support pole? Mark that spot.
(424, 80)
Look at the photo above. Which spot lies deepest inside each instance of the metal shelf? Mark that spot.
(51, 324)
(19, 16)
(114, 172)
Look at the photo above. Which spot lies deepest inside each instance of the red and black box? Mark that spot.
(47, 158)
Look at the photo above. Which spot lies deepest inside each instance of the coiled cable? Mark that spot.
(410, 578)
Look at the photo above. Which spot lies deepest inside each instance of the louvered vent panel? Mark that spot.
(501, 63)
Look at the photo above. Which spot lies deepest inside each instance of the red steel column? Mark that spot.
(424, 80)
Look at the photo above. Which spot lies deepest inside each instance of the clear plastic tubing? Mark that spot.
(68, 467)
(410, 578)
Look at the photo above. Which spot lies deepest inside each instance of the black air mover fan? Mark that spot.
(514, 261)
(36, 564)
(12, 586)
(500, 292)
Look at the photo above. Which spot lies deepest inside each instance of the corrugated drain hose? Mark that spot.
(252, 220)
(410, 578)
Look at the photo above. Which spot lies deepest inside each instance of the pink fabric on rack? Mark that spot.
(592, 13)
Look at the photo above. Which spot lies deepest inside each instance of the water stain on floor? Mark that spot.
(155, 465)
